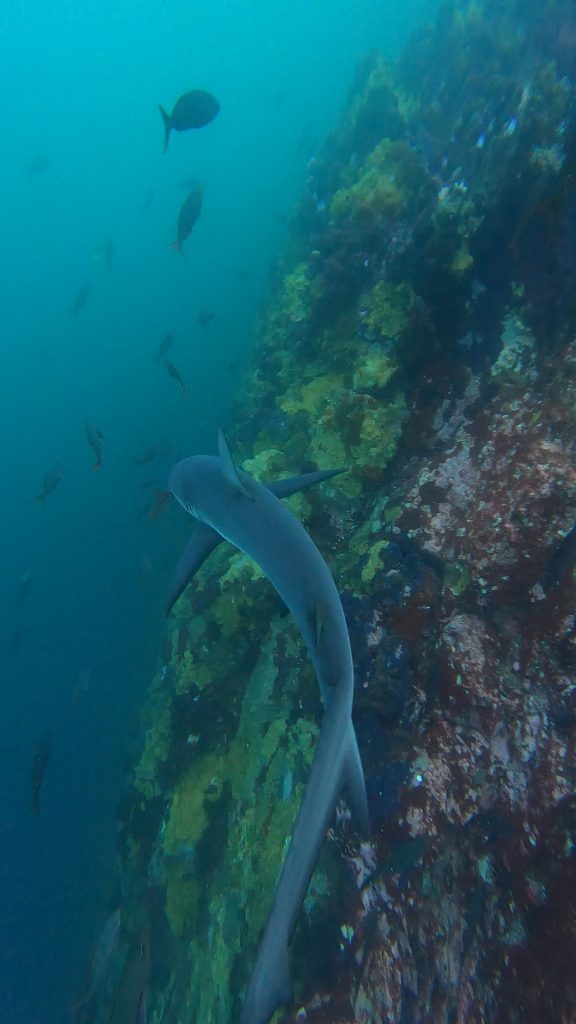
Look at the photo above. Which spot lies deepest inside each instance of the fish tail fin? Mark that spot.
(96, 466)
(167, 126)
(177, 246)
(353, 779)
(35, 804)
(270, 985)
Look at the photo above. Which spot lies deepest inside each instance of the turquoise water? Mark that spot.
(81, 82)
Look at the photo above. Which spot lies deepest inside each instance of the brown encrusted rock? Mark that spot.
(498, 499)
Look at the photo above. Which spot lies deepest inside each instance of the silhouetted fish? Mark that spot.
(205, 317)
(175, 373)
(189, 213)
(160, 501)
(166, 343)
(39, 762)
(148, 456)
(49, 484)
(193, 110)
(80, 300)
(94, 438)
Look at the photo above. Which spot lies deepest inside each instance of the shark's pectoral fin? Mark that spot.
(229, 470)
(284, 488)
(201, 544)
(354, 782)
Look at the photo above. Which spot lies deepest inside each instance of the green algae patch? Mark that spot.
(380, 188)
(387, 308)
(313, 397)
(374, 563)
(373, 370)
(238, 806)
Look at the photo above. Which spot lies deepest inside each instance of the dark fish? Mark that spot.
(94, 438)
(39, 763)
(189, 213)
(193, 110)
(205, 317)
(37, 165)
(161, 500)
(148, 456)
(80, 300)
(175, 373)
(49, 484)
(166, 343)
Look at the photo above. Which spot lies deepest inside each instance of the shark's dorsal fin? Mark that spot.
(229, 469)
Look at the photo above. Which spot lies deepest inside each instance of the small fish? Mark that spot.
(166, 343)
(94, 438)
(205, 317)
(49, 484)
(161, 500)
(37, 165)
(174, 372)
(39, 763)
(193, 110)
(148, 456)
(80, 300)
(189, 213)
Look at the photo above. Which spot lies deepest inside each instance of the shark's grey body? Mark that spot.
(231, 505)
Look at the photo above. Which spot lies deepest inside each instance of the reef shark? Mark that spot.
(230, 505)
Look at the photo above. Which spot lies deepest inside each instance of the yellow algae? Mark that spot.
(155, 752)
(373, 370)
(314, 396)
(267, 464)
(387, 308)
(374, 563)
(242, 570)
(463, 259)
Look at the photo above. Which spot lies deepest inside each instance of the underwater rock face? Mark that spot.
(421, 333)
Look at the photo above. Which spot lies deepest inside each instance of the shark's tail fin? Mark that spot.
(270, 985)
(353, 780)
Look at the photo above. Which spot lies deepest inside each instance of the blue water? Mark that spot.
(80, 81)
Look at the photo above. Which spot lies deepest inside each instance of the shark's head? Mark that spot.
(189, 480)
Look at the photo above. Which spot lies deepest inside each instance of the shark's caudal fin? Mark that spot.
(355, 784)
(270, 985)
